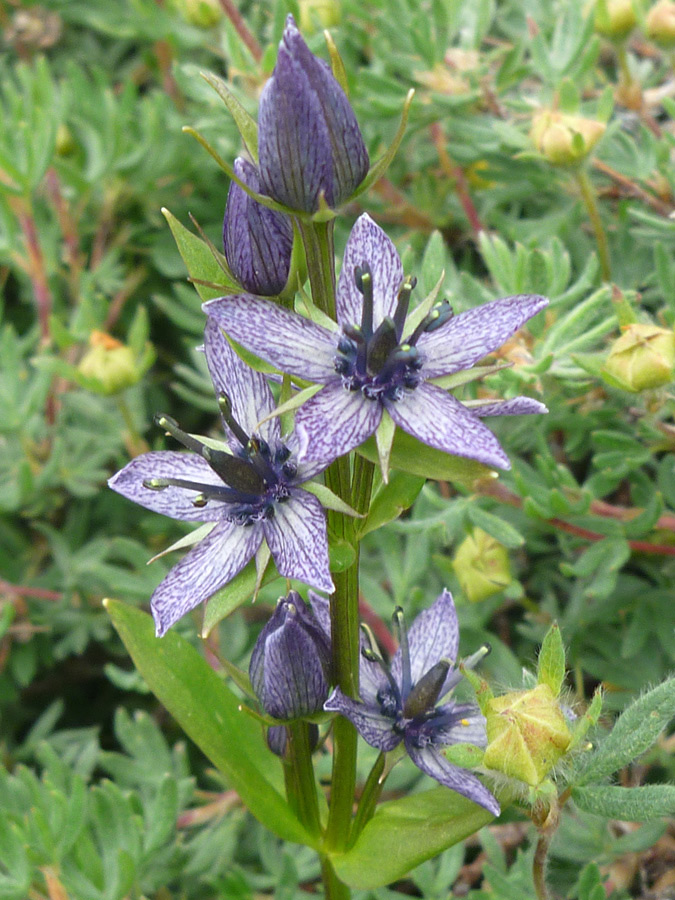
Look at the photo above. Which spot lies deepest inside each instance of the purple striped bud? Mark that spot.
(309, 141)
(257, 241)
(290, 662)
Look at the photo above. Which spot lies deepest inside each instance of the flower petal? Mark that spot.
(433, 636)
(373, 727)
(295, 674)
(171, 501)
(321, 609)
(247, 389)
(290, 342)
(204, 570)
(471, 335)
(296, 535)
(368, 243)
(430, 761)
(306, 468)
(517, 406)
(335, 421)
(436, 418)
(459, 723)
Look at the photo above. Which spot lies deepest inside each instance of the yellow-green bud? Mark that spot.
(661, 24)
(111, 363)
(563, 139)
(641, 358)
(65, 142)
(202, 13)
(527, 734)
(315, 14)
(615, 19)
(482, 566)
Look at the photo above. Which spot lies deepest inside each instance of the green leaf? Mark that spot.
(634, 732)
(391, 500)
(638, 804)
(209, 713)
(551, 663)
(199, 261)
(410, 455)
(235, 592)
(246, 125)
(378, 169)
(497, 528)
(403, 833)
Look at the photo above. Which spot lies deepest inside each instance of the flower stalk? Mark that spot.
(591, 204)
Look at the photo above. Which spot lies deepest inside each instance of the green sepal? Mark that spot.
(231, 597)
(336, 64)
(378, 169)
(404, 833)
(329, 500)
(246, 124)
(481, 688)
(391, 500)
(188, 540)
(296, 400)
(448, 382)
(200, 262)
(551, 662)
(587, 721)
(468, 756)
(634, 732)
(384, 438)
(412, 456)
(637, 804)
(341, 554)
(209, 713)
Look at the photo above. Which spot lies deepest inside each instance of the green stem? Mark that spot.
(302, 783)
(371, 794)
(539, 865)
(317, 238)
(588, 195)
(334, 888)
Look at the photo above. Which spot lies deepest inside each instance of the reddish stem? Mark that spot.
(377, 626)
(456, 173)
(18, 590)
(36, 268)
(241, 28)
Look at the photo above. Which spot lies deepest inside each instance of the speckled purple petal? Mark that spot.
(257, 241)
(471, 335)
(433, 636)
(465, 725)
(295, 679)
(296, 535)
(290, 342)
(373, 727)
(306, 468)
(368, 243)
(371, 679)
(204, 570)
(247, 389)
(436, 418)
(335, 421)
(172, 501)
(517, 406)
(430, 761)
(321, 609)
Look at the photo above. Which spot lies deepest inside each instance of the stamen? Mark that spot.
(364, 284)
(374, 657)
(206, 491)
(439, 315)
(225, 405)
(398, 621)
(426, 692)
(171, 427)
(403, 304)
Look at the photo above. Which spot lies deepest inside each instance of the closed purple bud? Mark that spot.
(309, 141)
(277, 738)
(257, 240)
(290, 662)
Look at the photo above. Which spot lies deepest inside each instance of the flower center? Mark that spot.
(254, 476)
(378, 362)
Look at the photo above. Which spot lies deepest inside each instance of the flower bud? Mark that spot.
(309, 142)
(661, 24)
(277, 738)
(111, 363)
(615, 19)
(527, 734)
(641, 358)
(562, 139)
(482, 566)
(257, 241)
(290, 663)
(316, 14)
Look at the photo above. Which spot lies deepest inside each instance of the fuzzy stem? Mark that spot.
(588, 195)
(539, 865)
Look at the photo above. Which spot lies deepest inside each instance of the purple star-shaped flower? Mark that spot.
(399, 701)
(249, 492)
(375, 360)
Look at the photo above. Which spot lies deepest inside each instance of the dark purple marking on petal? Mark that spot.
(433, 763)
(175, 502)
(296, 535)
(368, 243)
(204, 570)
(471, 335)
(335, 421)
(374, 728)
(295, 679)
(436, 418)
(247, 389)
(466, 725)
(433, 636)
(321, 609)
(282, 338)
